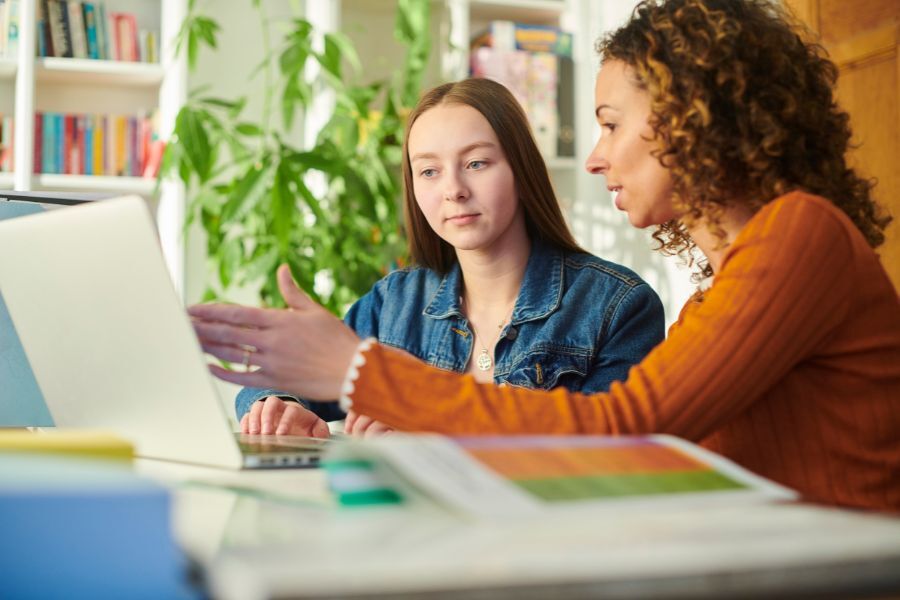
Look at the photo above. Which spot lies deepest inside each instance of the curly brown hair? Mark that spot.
(743, 109)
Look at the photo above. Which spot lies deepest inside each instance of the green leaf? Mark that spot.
(283, 209)
(330, 59)
(293, 59)
(263, 264)
(246, 192)
(249, 129)
(345, 49)
(207, 29)
(194, 140)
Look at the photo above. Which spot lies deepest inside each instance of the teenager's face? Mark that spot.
(643, 187)
(462, 181)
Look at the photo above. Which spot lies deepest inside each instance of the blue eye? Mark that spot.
(477, 164)
(428, 172)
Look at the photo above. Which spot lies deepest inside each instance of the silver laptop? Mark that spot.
(110, 344)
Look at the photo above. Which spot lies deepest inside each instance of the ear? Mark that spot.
(292, 294)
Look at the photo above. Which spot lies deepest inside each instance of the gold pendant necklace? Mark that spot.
(483, 361)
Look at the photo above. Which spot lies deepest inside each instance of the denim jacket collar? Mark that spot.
(540, 294)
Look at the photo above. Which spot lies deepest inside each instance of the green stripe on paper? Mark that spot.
(563, 489)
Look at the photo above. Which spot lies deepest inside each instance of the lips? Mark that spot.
(614, 190)
(464, 218)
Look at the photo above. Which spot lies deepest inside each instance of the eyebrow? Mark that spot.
(601, 107)
(467, 149)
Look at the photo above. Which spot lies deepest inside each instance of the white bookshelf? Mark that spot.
(111, 73)
(8, 67)
(94, 183)
(87, 86)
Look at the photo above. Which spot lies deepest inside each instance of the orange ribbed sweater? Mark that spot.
(789, 365)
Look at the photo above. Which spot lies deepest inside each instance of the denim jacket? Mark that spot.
(579, 321)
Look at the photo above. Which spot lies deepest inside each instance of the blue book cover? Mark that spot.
(90, 29)
(59, 143)
(77, 528)
(89, 144)
(47, 148)
(21, 401)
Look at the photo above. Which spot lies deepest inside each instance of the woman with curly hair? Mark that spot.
(718, 127)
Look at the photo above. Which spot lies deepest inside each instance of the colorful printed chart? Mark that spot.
(559, 469)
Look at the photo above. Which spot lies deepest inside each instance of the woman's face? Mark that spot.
(642, 186)
(462, 181)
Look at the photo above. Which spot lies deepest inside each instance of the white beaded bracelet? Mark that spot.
(345, 402)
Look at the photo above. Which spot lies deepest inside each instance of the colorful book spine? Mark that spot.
(90, 29)
(46, 32)
(99, 139)
(103, 32)
(37, 157)
(9, 28)
(48, 154)
(59, 143)
(59, 28)
(76, 28)
(6, 142)
(88, 144)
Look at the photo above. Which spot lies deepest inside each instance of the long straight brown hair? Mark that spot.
(543, 217)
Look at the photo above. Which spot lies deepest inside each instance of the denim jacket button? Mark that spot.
(512, 333)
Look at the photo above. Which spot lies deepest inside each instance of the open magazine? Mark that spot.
(521, 475)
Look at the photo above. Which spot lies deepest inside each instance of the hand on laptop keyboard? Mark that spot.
(282, 417)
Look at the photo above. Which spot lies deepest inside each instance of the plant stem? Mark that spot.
(267, 99)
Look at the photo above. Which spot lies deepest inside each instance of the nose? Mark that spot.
(455, 189)
(596, 164)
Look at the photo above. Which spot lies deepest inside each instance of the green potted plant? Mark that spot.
(249, 188)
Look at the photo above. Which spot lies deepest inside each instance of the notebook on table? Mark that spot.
(110, 343)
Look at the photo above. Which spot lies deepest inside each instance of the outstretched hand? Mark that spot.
(302, 350)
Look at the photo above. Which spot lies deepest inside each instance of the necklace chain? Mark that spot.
(484, 361)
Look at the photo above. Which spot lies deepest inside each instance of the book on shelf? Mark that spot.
(535, 63)
(493, 476)
(7, 140)
(58, 20)
(508, 35)
(77, 30)
(74, 29)
(9, 28)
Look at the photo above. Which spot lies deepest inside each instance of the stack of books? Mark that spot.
(72, 29)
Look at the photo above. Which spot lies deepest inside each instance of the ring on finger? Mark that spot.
(248, 351)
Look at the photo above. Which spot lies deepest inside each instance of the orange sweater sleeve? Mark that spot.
(782, 287)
